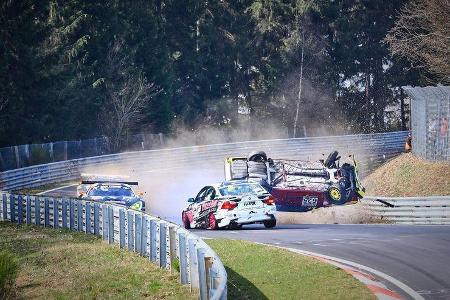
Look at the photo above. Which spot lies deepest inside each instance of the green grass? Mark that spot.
(60, 264)
(8, 273)
(45, 187)
(262, 272)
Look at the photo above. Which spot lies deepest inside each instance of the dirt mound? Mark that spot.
(345, 214)
(407, 176)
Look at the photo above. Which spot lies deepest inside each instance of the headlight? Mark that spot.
(137, 205)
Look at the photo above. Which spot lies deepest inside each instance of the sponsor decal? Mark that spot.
(209, 204)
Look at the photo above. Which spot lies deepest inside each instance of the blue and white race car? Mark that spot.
(119, 193)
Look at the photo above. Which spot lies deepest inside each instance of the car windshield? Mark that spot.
(111, 191)
(240, 189)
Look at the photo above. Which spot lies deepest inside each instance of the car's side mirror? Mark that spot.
(190, 200)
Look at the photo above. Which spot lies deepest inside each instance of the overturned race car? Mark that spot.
(299, 185)
(230, 205)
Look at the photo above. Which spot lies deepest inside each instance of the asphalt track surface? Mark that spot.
(418, 256)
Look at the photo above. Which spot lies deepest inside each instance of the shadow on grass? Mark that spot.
(240, 288)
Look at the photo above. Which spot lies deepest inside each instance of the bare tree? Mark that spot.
(129, 93)
(422, 36)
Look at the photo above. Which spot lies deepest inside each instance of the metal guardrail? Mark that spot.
(370, 150)
(410, 210)
(163, 243)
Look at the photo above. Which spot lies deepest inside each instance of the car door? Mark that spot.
(206, 203)
(196, 206)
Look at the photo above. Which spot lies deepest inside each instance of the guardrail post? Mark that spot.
(71, 214)
(162, 245)
(111, 224)
(202, 274)
(209, 277)
(172, 246)
(105, 217)
(28, 214)
(130, 234)
(96, 219)
(137, 232)
(5, 207)
(64, 213)
(55, 213)
(193, 269)
(122, 228)
(88, 217)
(79, 216)
(183, 258)
(153, 240)
(46, 213)
(144, 230)
(12, 208)
(37, 211)
(19, 209)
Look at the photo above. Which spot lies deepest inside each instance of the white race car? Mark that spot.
(230, 204)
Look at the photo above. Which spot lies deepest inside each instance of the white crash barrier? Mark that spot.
(410, 210)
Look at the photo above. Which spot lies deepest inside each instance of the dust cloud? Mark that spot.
(168, 181)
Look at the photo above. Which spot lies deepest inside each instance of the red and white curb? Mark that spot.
(366, 275)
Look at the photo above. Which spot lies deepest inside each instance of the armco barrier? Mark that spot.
(410, 210)
(163, 243)
(370, 151)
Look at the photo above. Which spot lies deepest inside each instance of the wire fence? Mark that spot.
(21, 156)
(163, 243)
(430, 113)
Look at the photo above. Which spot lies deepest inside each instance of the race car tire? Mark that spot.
(332, 157)
(335, 195)
(259, 176)
(257, 167)
(239, 169)
(212, 222)
(186, 223)
(257, 156)
(270, 223)
(234, 226)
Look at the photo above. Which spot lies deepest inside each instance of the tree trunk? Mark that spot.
(402, 110)
(299, 92)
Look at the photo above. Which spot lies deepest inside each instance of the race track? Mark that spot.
(418, 256)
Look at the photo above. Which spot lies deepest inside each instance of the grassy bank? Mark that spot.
(407, 175)
(262, 272)
(45, 187)
(63, 264)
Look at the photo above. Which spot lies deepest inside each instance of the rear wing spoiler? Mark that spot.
(109, 181)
